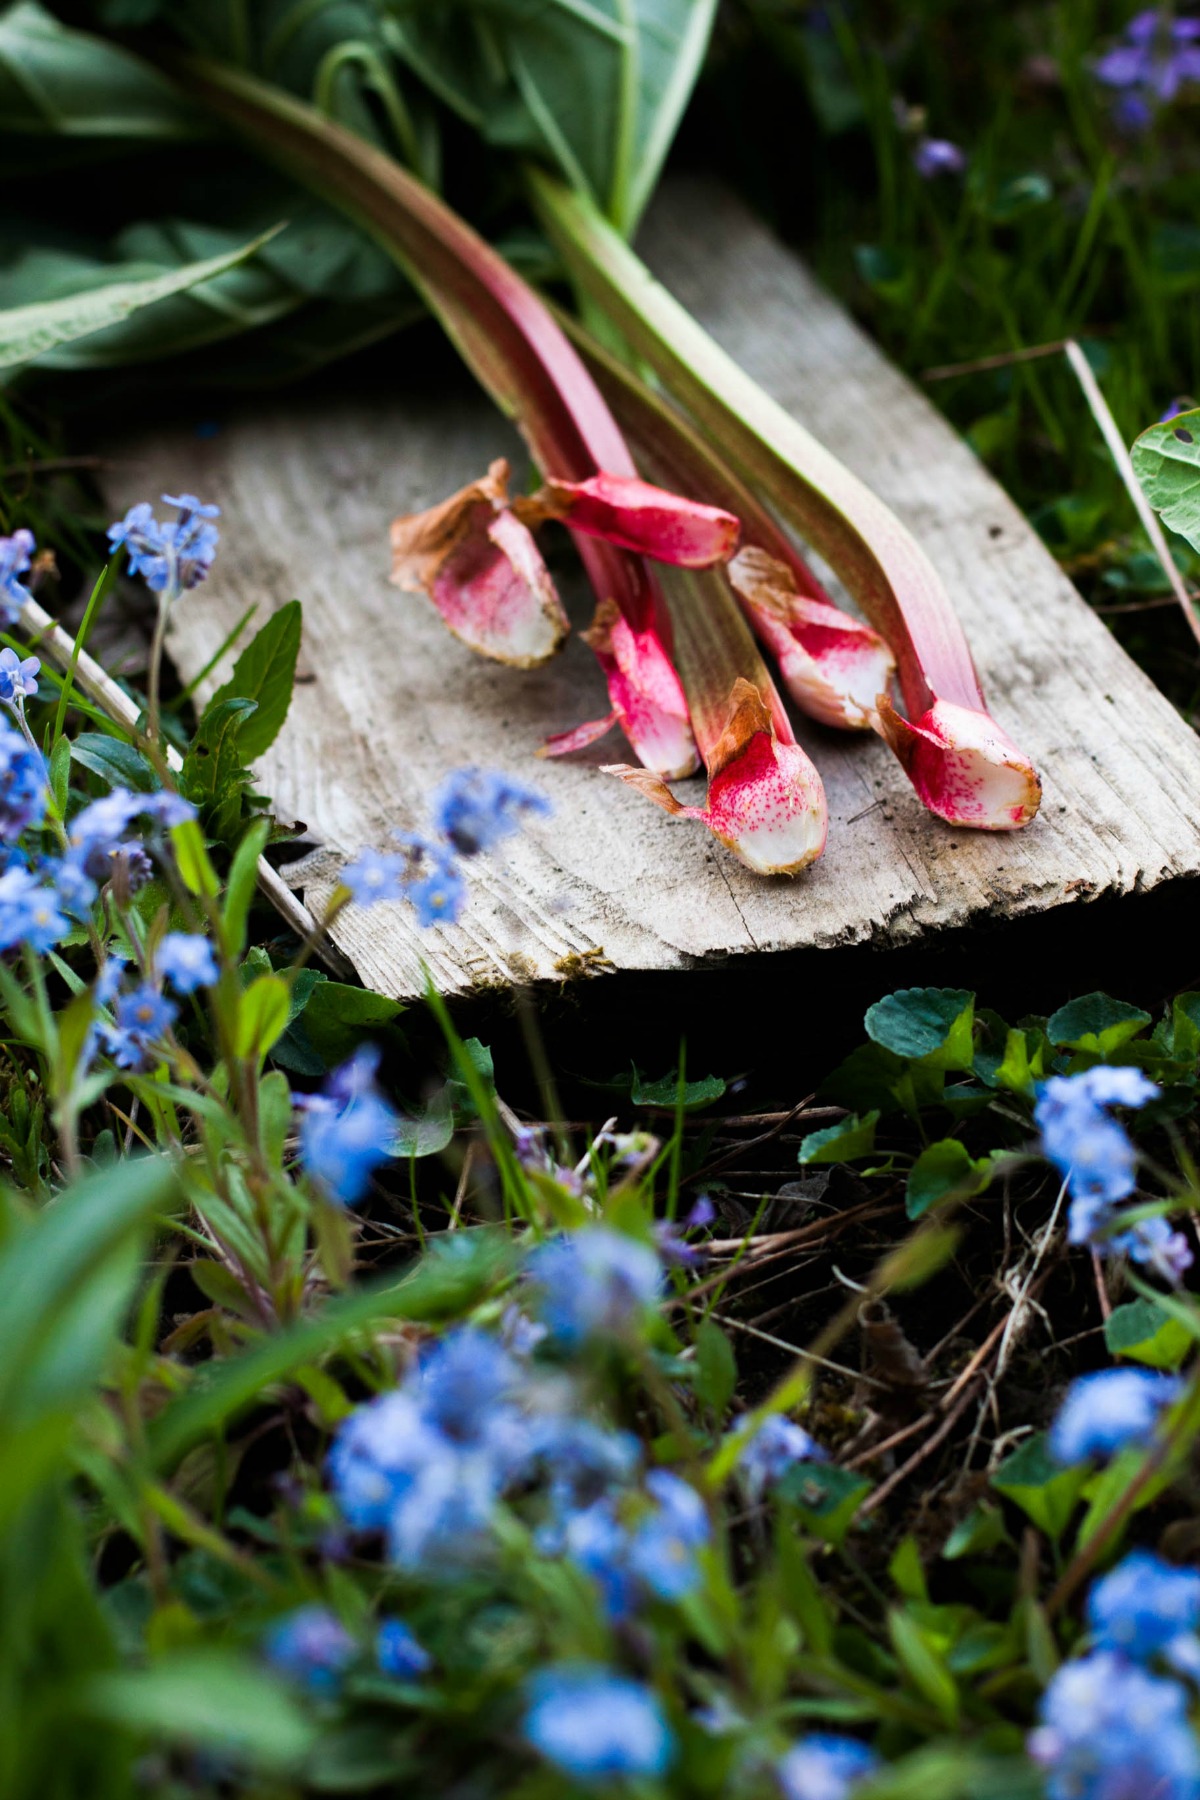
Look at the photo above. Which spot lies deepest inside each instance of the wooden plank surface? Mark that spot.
(389, 702)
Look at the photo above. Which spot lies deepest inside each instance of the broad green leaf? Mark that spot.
(1042, 1488)
(30, 333)
(428, 1133)
(666, 1092)
(926, 1023)
(1166, 460)
(1143, 1331)
(114, 761)
(825, 1497)
(943, 1169)
(868, 1081)
(596, 87)
(264, 673)
(843, 1142)
(54, 80)
(262, 1015)
(337, 1017)
(1096, 1023)
(203, 1698)
(716, 1367)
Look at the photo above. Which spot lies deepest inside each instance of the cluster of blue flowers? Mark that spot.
(1110, 1411)
(1093, 1152)
(45, 897)
(171, 557)
(1111, 1726)
(347, 1131)
(473, 810)
(1158, 56)
(428, 1463)
(312, 1647)
(483, 1419)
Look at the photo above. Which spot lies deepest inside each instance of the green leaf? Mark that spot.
(868, 1080)
(1017, 1070)
(192, 859)
(53, 80)
(926, 1023)
(262, 1015)
(265, 673)
(114, 761)
(28, 333)
(924, 1667)
(596, 87)
(213, 776)
(202, 1698)
(1166, 460)
(337, 1017)
(1185, 1027)
(48, 1265)
(716, 1367)
(943, 1169)
(982, 1530)
(1096, 1023)
(239, 890)
(1042, 1488)
(843, 1142)
(907, 1571)
(1143, 1332)
(825, 1497)
(428, 1133)
(666, 1092)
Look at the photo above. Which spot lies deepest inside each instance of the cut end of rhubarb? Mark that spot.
(640, 517)
(483, 571)
(833, 666)
(765, 800)
(964, 768)
(646, 693)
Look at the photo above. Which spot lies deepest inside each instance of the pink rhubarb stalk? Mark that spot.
(834, 666)
(508, 338)
(765, 799)
(963, 765)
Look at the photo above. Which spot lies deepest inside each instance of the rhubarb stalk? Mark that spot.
(765, 799)
(509, 339)
(834, 666)
(963, 765)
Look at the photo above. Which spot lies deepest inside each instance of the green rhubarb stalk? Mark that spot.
(963, 765)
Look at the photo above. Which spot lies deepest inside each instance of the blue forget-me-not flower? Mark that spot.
(1111, 1731)
(594, 1724)
(1106, 1411)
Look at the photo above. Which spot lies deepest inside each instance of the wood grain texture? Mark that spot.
(389, 702)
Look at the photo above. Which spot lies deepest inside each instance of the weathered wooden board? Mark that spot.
(389, 702)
